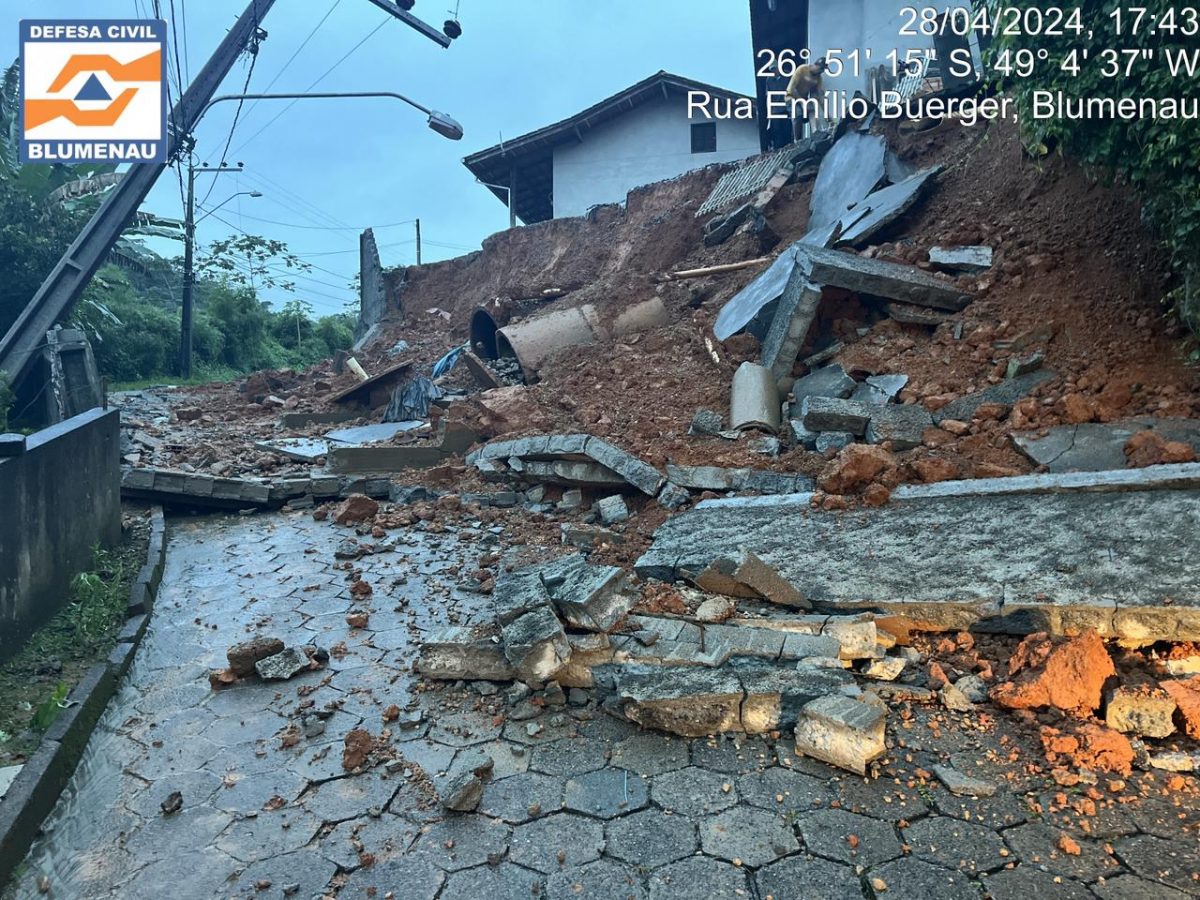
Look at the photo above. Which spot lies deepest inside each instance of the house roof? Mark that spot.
(530, 157)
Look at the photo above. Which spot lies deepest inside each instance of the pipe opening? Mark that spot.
(483, 335)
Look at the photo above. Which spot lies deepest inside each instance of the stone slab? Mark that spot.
(456, 652)
(850, 171)
(956, 555)
(793, 317)
(968, 260)
(755, 297)
(306, 450)
(881, 208)
(892, 281)
(828, 381)
(1006, 393)
(1095, 447)
(829, 414)
(902, 425)
(347, 459)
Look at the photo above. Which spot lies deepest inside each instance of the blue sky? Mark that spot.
(328, 168)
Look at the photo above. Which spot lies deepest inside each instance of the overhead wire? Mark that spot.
(370, 34)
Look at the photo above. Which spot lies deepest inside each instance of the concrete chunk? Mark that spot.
(517, 593)
(612, 510)
(829, 414)
(828, 381)
(776, 695)
(892, 281)
(746, 575)
(642, 476)
(902, 425)
(968, 260)
(455, 653)
(688, 701)
(570, 472)
(590, 598)
(842, 732)
(1147, 711)
(1007, 392)
(793, 317)
(963, 785)
(536, 645)
(833, 440)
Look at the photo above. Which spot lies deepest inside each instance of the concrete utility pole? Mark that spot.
(61, 289)
(189, 254)
(418, 242)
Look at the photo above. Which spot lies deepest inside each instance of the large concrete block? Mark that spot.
(536, 645)
(842, 732)
(832, 414)
(455, 653)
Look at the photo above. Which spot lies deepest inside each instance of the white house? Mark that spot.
(637, 137)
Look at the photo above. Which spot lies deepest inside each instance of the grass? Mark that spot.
(202, 375)
(35, 682)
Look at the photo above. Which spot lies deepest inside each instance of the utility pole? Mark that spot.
(62, 287)
(189, 255)
(418, 242)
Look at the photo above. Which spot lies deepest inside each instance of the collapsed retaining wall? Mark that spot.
(60, 498)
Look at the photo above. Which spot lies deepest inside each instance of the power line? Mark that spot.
(253, 50)
(288, 192)
(325, 227)
(187, 60)
(319, 79)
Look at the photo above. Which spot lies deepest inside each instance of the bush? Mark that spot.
(6, 400)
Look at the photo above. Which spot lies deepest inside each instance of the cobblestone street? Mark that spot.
(580, 804)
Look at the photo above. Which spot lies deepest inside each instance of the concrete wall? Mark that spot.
(848, 25)
(652, 142)
(59, 499)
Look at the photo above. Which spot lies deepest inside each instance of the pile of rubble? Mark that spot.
(572, 625)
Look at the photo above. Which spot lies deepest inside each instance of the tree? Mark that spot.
(252, 261)
(296, 313)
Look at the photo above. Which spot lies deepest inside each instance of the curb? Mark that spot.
(36, 789)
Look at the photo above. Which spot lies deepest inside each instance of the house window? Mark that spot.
(704, 137)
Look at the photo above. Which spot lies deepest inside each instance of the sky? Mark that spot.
(329, 168)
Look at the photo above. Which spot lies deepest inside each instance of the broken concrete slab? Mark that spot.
(756, 297)
(1095, 447)
(366, 434)
(961, 260)
(833, 441)
(1143, 710)
(588, 597)
(517, 593)
(794, 316)
(642, 476)
(1000, 566)
(456, 652)
(283, 665)
(962, 785)
(830, 414)
(881, 208)
(745, 575)
(559, 471)
(776, 695)
(536, 645)
(903, 426)
(715, 478)
(892, 281)
(842, 732)
(1006, 393)
(915, 315)
(612, 510)
(850, 171)
(350, 459)
(688, 701)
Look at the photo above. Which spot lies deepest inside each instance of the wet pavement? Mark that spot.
(580, 804)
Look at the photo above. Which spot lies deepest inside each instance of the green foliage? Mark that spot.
(48, 710)
(1159, 158)
(251, 261)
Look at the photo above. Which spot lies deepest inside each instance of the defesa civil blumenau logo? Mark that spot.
(93, 90)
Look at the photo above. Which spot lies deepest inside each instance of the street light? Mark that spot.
(442, 123)
(209, 212)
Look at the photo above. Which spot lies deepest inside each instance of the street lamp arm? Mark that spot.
(209, 212)
(326, 95)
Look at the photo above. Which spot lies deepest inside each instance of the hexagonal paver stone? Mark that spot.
(753, 836)
(416, 877)
(570, 757)
(351, 797)
(204, 872)
(606, 793)
(268, 834)
(782, 790)
(463, 842)
(502, 882)
(464, 728)
(650, 754)
(522, 797)
(386, 837)
(879, 798)
(1130, 887)
(808, 878)
(693, 791)
(300, 874)
(1025, 882)
(651, 838)
(849, 838)
(698, 878)
(557, 842)
(600, 880)
(912, 879)
(732, 754)
(956, 844)
(1001, 811)
(245, 793)
(1174, 863)
(1037, 844)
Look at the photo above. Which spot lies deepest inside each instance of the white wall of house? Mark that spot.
(652, 142)
(848, 25)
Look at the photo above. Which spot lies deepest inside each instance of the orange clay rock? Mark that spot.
(1148, 448)
(1186, 694)
(855, 467)
(1088, 746)
(1065, 673)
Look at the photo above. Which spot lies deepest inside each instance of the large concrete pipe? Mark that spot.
(534, 340)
